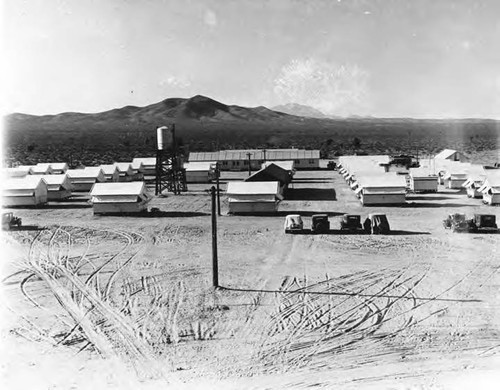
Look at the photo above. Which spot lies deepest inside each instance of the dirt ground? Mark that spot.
(417, 309)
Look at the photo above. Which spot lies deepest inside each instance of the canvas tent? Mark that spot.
(423, 180)
(125, 170)
(55, 168)
(491, 188)
(58, 186)
(83, 179)
(388, 188)
(253, 197)
(119, 198)
(26, 191)
(111, 173)
(145, 165)
(200, 171)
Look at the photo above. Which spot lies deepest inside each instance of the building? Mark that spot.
(200, 172)
(385, 189)
(55, 168)
(119, 198)
(450, 155)
(82, 180)
(423, 180)
(111, 173)
(58, 186)
(145, 165)
(272, 172)
(253, 197)
(16, 172)
(287, 165)
(239, 160)
(125, 170)
(455, 175)
(27, 191)
(41, 169)
(491, 188)
(475, 179)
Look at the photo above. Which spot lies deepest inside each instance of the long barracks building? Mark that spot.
(238, 160)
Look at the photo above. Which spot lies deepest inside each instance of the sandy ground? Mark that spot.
(417, 309)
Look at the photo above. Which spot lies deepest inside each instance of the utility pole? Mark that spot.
(217, 172)
(249, 164)
(215, 266)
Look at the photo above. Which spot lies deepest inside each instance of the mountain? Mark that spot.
(300, 110)
(198, 109)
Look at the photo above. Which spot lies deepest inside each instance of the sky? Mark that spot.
(385, 58)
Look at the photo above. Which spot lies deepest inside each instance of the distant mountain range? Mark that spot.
(300, 110)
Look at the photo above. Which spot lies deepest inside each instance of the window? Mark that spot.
(297, 161)
(245, 162)
(311, 161)
(224, 162)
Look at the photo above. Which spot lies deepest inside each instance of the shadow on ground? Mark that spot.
(311, 194)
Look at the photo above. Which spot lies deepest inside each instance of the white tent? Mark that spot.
(42, 169)
(119, 198)
(53, 168)
(26, 191)
(111, 172)
(253, 197)
(387, 188)
(456, 175)
(200, 171)
(423, 180)
(58, 186)
(491, 188)
(145, 165)
(15, 172)
(84, 179)
(125, 170)
(476, 176)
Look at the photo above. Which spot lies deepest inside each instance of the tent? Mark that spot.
(110, 171)
(200, 171)
(491, 188)
(84, 179)
(119, 198)
(253, 197)
(455, 175)
(16, 172)
(58, 186)
(423, 180)
(387, 188)
(26, 191)
(42, 169)
(476, 176)
(55, 168)
(125, 170)
(450, 155)
(145, 165)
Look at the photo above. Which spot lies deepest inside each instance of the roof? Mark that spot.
(271, 173)
(445, 154)
(135, 188)
(55, 166)
(88, 172)
(108, 169)
(253, 188)
(41, 168)
(151, 161)
(15, 172)
(382, 181)
(199, 166)
(58, 179)
(255, 154)
(423, 172)
(124, 166)
(287, 164)
(24, 183)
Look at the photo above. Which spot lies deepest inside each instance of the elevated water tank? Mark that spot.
(164, 137)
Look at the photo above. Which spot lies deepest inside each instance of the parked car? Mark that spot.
(293, 223)
(483, 223)
(351, 222)
(320, 223)
(378, 224)
(9, 221)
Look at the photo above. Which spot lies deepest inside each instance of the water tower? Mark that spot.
(170, 175)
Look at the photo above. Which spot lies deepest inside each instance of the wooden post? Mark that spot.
(215, 266)
(249, 164)
(218, 188)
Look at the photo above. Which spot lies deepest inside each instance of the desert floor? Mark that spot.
(417, 309)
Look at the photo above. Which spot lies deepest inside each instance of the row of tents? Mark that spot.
(376, 181)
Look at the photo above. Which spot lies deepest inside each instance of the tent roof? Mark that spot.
(24, 183)
(56, 165)
(124, 166)
(253, 188)
(58, 179)
(445, 154)
(144, 160)
(126, 188)
(271, 173)
(199, 166)
(423, 172)
(383, 180)
(108, 169)
(87, 172)
(287, 164)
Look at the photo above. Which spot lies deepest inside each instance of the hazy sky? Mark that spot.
(436, 58)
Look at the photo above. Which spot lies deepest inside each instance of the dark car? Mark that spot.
(320, 223)
(483, 222)
(351, 222)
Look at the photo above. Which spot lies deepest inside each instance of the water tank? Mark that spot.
(164, 137)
